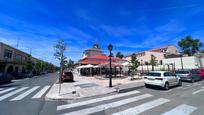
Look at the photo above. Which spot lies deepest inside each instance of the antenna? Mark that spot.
(17, 43)
(97, 36)
(30, 51)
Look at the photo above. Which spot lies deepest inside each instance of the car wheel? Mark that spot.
(180, 83)
(146, 85)
(166, 86)
(192, 80)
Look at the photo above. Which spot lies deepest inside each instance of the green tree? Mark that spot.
(134, 62)
(119, 55)
(29, 64)
(70, 64)
(38, 66)
(60, 49)
(153, 61)
(189, 45)
(202, 51)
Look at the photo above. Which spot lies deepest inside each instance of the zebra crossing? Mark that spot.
(20, 93)
(121, 102)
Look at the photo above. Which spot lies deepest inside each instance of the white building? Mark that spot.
(159, 53)
(95, 50)
(190, 62)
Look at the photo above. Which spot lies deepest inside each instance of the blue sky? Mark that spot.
(130, 25)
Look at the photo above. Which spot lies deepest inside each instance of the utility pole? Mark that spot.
(30, 51)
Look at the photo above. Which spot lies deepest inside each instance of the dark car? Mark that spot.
(17, 75)
(200, 72)
(5, 78)
(189, 75)
(27, 74)
(67, 76)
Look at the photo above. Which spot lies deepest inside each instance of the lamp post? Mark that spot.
(142, 65)
(110, 47)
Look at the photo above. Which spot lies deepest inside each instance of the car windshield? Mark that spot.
(154, 74)
(194, 71)
(182, 72)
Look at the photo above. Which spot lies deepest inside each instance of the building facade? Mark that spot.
(159, 53)
(95, 50)
(12, 59)
(188, 62)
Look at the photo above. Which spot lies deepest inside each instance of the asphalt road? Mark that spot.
(185, 100)
(25, 96)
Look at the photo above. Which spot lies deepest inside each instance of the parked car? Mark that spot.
(67, 76)
(17, 75)
(162, 79)
(189, 75)
(200, 72)
(44, 72)
(28, 74)
(5, 78)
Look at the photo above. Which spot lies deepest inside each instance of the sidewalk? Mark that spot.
(90, 86)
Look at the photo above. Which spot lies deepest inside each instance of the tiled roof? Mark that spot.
(98, 59)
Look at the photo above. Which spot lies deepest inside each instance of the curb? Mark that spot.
(72, 98)
(75, 98)
(123, 90)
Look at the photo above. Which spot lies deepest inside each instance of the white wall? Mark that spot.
(190, 62)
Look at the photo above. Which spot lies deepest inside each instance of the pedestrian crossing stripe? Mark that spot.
(21, 96)
(143, 107)
(12, 93)
(181, 110)
(41, 92)
(108, 106)
(7, 90)
(67, 106)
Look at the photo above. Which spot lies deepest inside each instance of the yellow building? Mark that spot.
(159, 53)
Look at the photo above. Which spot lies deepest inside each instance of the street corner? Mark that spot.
(131, 86)
(76, 90)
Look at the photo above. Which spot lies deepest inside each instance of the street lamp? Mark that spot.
(142, 64)
(110, 47)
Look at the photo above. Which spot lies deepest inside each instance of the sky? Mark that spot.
(130, 25)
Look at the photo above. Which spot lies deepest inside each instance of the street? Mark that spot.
(184, 100)
(27, 97)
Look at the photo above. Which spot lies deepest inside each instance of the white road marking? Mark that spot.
(166, 91)
(7, 90)
(41, 92)
(67, 106)
(198, 91)
(181, 110)
(197, 84)
(143, 107)
(108, 106)
(188, 85)
(23, 95)
(1, 88)
(12, 93)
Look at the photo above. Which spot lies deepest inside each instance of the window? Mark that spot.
(18, 57)
(7, 53)
(166, 74)
(169, 74)
(182, 72)
(154, 74)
